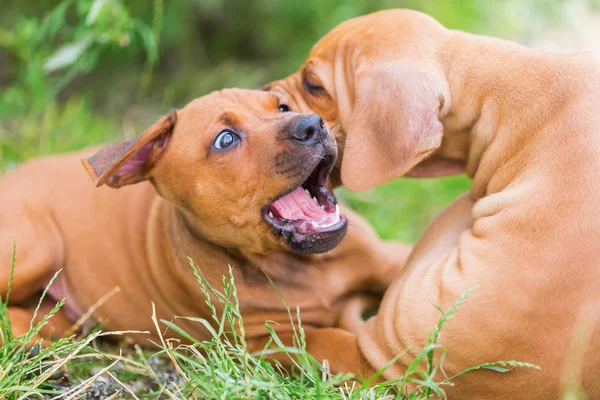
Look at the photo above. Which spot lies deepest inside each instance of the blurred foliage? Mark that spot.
(51, 52)
(74, 73)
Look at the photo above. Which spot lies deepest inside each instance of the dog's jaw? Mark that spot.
(307, 215)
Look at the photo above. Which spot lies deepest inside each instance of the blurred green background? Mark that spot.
(80, 72)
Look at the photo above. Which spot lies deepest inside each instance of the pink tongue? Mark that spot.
(299, 205)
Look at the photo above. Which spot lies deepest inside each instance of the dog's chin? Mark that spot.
(307, 216)
(315, 242)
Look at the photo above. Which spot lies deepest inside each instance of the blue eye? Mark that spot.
(226, 139)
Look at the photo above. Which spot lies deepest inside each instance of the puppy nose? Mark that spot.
(307, 129)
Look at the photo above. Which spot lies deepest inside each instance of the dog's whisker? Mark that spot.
(343, 147)
(313, 155)
(219, 225)
(335, 127)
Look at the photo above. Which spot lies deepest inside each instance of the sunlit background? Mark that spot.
(80, 72)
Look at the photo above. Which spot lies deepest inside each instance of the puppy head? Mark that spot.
(379, 77)
(244, 172)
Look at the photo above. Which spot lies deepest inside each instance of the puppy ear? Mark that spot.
(128, 162)
(393, 126)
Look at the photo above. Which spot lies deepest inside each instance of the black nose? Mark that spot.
(307, 129)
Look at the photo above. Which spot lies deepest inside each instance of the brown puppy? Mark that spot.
(416, 99)
(231, 179)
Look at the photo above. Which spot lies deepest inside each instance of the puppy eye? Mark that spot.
(284, 108)
(226, 139)
(312, 88)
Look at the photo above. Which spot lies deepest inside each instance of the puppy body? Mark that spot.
(139, 241)
(415, 98)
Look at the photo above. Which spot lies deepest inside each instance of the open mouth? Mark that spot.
(308, 216)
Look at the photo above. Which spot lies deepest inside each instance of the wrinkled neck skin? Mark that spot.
(492, 109)
(301, 280)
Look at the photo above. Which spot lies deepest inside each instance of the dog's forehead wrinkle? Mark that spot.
(246, 98)
(249, 114)
(273, 96)
(260, 115)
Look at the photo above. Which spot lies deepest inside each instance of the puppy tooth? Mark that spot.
(307, 192)
(322, 206)
(337, 209)
(270, 214)
(314, 224)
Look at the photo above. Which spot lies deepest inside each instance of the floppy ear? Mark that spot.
(394, 124)
(128, 162)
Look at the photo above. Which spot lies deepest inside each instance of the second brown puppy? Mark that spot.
(413, 98)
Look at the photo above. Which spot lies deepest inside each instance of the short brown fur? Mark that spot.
(416, 99)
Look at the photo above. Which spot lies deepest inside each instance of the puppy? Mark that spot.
(230, 179)
(416, 99)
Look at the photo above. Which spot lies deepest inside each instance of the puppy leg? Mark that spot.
(21, 317)
(332, 346)
(363, 252)
(38, 244)
(56, 326)
(442, 235)
(341, 348)
(502, 320)
(393, 256)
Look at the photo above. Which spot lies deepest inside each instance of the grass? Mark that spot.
(44, 113)
(402, 209)
(54, 102)
(29, 369)
(219, 368)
